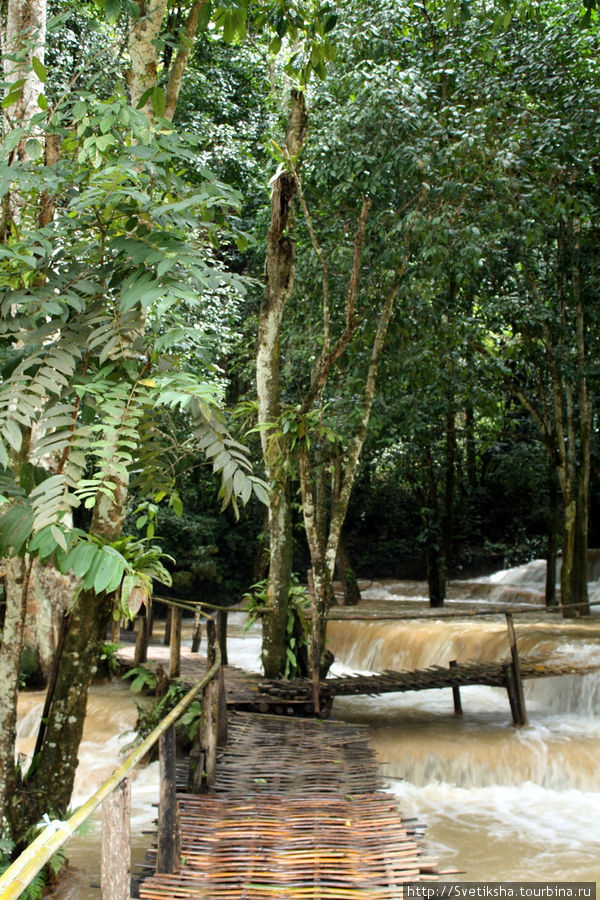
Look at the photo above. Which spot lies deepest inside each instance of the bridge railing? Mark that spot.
(114, 796)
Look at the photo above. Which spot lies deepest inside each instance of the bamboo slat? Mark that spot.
(297, 812)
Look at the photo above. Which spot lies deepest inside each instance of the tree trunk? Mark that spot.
(434, 526)
(449, 476)
(324, 558)
(49, 782)
(346, 575)
(10, 656)
(143, 53)
(573, 412)
(181, 59)
(48, 596)
(49, 785)
(552, 541)
(24, 37)
(279, 282)
(436, 575)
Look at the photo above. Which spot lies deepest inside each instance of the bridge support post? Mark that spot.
(115, 865)
(175, 643)
(213, 726)
(315, 645)
(222, 634)
(169, 833)
(142, 627)
(197, 637)
(456, 692)
(519, 697)
(167, 636)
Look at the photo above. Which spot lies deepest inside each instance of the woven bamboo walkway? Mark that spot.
(296, 811)
(462, 674)
(250, 692)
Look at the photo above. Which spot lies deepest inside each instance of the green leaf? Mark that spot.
(204, 15)
(13, 435)
(33, 148)
(110, 571)
(58, 536)
(43, 543)
(159, 101)
(15, 527)
(80, 558)
(144, 98)
(39, 68)
(330, 23)
(176, 504)
(112, 10)
(11, 98)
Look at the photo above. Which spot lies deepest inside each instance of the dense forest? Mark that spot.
(285, 286)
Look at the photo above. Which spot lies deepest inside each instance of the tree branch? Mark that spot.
(183, 54)
(327, 360)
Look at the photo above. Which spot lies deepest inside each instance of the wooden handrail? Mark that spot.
(441, 613)
(56, 833)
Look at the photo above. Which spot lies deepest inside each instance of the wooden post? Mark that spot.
(169, 833)
(209, 732)
(456, 692)
(167, 637)
(197, 636)
(196, 766)
(175, 643)
(221, 709)
(315, 646)
(518, 681)
(222, 634)
(211, 642)
(209, 726)
(115, 866)
(141, 641)
(509, 677)
(150, 610)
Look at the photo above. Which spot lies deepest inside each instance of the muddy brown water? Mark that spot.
(500, 803)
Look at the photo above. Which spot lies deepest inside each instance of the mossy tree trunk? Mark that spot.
(279, 283)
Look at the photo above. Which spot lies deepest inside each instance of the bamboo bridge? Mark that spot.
(296, 810)
(268, 806)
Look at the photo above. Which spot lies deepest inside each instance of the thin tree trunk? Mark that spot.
(346, 575)
(324, 559)
(552, 541)
(181, 59)
(279, 281)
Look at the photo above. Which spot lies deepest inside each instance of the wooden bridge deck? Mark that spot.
(296, 811)
(492, 674)
(251, 692)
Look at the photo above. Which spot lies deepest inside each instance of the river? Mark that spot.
(500, 803)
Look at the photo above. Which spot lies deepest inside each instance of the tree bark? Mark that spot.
(181, 59)
(10, 655)
(24, 37)
(143, 52)
(552, 541)
(279, 282)
(324, 558)
(49, 783)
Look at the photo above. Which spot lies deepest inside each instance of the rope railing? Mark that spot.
(56, 833)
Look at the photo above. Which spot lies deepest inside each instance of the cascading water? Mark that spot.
(500, 803)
